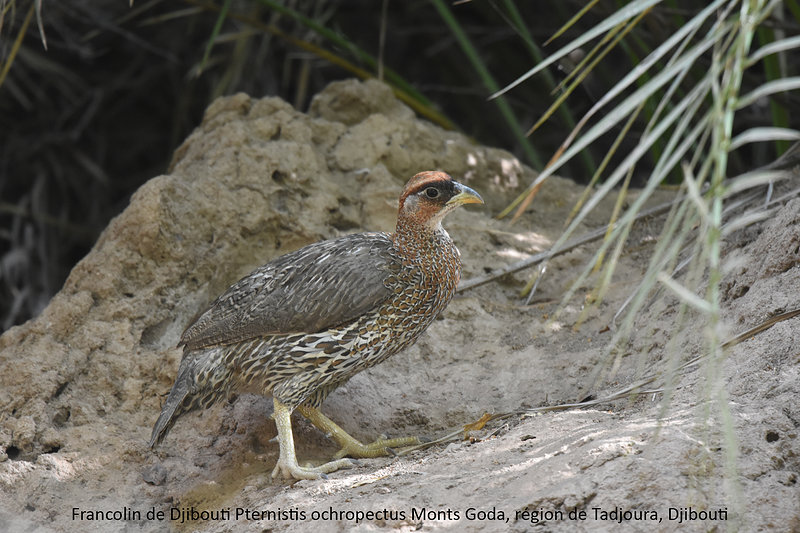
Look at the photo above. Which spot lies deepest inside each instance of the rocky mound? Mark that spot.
(82, 384)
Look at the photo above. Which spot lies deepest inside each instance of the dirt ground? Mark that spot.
(82, 384)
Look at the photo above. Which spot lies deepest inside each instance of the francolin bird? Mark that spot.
(305, 323)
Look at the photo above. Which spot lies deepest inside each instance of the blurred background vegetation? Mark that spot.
(95, 95)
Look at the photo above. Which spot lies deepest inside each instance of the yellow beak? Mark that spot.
(465, 196)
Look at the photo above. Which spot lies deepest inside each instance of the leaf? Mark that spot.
(477, 425)
(629, 11)
(754, 135)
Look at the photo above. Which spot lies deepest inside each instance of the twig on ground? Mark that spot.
(634, 389)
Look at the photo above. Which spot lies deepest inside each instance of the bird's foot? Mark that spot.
(379, 448)
(290, 469)
(287, 460)
(352, 447)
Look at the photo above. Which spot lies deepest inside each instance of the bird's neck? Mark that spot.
(414, 239)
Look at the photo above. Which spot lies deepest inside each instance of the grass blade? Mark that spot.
(488, 81)
(629, 11)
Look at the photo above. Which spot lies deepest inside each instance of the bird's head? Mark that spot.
(429, 196)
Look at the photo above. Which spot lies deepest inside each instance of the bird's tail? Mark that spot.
(202, 380)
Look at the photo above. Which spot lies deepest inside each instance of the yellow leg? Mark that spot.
(350, 446)
(287, 461)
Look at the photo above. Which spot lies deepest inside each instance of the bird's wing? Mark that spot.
(316, 287)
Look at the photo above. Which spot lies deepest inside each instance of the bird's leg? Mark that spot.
(287, 461)
(350, 446)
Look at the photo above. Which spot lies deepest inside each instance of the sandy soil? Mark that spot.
(82, 384)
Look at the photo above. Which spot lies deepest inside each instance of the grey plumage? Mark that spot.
(306, 290)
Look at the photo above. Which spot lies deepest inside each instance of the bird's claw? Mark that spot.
(379, 448)
(287, 469)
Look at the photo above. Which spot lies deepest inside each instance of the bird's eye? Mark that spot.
(432, 192)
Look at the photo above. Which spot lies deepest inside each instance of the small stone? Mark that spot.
(155, 474)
